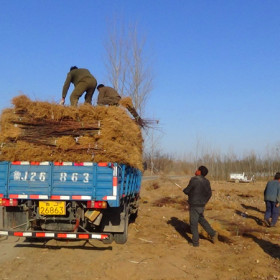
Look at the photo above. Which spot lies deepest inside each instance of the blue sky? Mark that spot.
(216, 64)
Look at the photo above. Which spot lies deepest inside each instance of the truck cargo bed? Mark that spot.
(68, 200)
(68, 181)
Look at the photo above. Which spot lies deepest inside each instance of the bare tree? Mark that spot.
(140, 78)
(127, 69)
(116, 66)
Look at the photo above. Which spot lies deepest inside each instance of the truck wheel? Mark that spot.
(133, 217)
(109, 240)
(121, 238)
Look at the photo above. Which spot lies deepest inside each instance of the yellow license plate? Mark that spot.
(52, 207)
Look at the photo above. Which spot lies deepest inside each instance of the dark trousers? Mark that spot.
(271, 212)
(87, 85)
(197, 217)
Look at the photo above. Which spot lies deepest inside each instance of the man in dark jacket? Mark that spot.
(199, 192)
(272, 200)
(107, 96)
(83, 82)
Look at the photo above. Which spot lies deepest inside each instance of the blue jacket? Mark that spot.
(272, 191)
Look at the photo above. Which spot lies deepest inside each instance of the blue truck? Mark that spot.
(68, 200)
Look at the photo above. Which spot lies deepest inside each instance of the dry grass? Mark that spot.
(174, 202)
(232, 212)
(153, 186)
(43, 131)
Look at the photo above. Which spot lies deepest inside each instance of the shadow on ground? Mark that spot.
(244, 215)
(271, 249)
(184, 229)
(248, 207)
(62, 244)
(181, 227)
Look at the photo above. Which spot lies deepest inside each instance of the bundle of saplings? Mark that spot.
(43, 131)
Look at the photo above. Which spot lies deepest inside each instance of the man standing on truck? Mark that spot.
(272, 201)
(83, 81)
(107, 96)
(199, 192)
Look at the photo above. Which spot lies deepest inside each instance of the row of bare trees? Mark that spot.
(220, 166)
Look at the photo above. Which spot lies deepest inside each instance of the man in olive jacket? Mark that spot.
(272, 201)
(199, 192)
(107, 96)
(83, 81)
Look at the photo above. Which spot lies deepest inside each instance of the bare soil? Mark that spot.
(158, 246)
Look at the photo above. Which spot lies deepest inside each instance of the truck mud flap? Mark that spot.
(13, 218)
(114, 219)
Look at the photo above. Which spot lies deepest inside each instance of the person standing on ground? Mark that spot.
(83, 81)
(199, 192)
(107, 96)
(272, 201)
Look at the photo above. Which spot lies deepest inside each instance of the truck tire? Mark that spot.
(109, 240)
(133, 217)
(121, 238)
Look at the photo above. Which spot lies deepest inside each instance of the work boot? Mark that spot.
(267, 223)
(214, 238)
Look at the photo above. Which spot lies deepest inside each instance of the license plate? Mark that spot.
(52, 207)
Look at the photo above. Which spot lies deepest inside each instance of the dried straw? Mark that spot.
(43, 131)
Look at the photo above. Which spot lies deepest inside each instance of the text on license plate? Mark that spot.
(52, 207)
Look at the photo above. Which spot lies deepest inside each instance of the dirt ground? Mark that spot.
(158, 245)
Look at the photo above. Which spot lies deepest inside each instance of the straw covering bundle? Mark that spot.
(43, 131)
